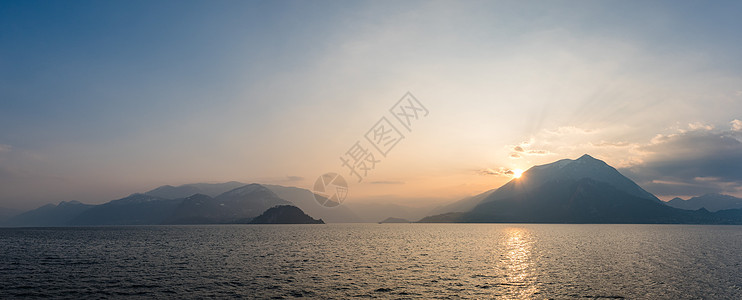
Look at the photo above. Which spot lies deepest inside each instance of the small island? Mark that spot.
(285, 214)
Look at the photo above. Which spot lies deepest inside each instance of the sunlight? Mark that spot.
(517, 173)
(519, 263)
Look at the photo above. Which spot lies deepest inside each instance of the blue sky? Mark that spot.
(102, 99)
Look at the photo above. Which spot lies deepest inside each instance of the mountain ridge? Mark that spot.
(236, 205)
(585, 190)
(712, 202)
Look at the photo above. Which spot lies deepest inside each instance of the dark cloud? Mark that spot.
(691, 163)
(519, 149)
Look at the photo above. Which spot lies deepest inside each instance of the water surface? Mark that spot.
(432, 261)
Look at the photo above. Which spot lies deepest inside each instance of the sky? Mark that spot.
(101, 99)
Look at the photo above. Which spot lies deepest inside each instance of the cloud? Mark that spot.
(386, 182)
(736, 125)
(611, 144)
(294, 178)
(569, 130)
(691, 163)
(279, 180)
(519, 151)
(5, 148)
(498, 172)
(692, 159)
(538, 152)
(488, 171)
(700, 126)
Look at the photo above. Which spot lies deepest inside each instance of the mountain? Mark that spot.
(568, 201)
(237, 205)
(285, 214)
(7, 213)
(304, 199)
(182, 191)
(394, 220)
(565, 169)
(50, 215)
(136, 209)
(462, 205)
(571, 170)
(585, 190)
(373, 211)
(711, 202)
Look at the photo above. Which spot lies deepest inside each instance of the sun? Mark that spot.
(517, 173)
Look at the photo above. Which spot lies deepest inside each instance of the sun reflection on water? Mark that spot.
(518, 262)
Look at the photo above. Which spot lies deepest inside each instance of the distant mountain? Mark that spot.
(371, 211)
(237, 205)
(711, 202)
(7, 213)
(50, 215)
(394, 220)
(137, 209)
(302, 198)
(284, 214)
(585, 190)
(462, 205)
(182, 191)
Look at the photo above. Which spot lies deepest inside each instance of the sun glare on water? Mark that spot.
(517, 173)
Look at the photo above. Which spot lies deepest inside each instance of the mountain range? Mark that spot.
(585, 190)
(238, 205)
(202, 203)
(710, 202)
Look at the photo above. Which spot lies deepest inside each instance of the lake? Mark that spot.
(430, 261)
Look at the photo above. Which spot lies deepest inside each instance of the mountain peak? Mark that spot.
(587, 157)
(249, 189)
(571, 170)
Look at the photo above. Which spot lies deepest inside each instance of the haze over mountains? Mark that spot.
(585, 190)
